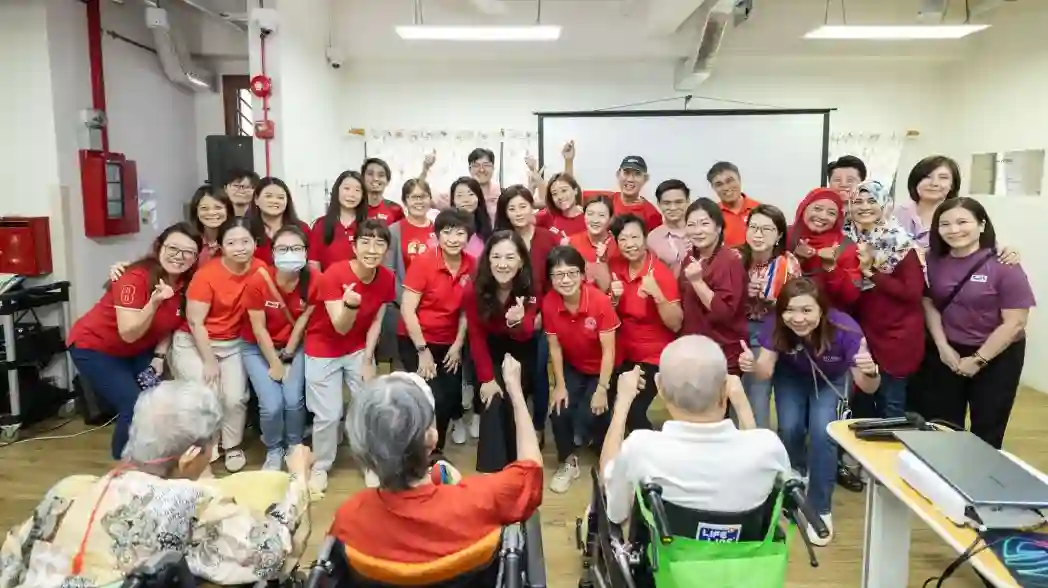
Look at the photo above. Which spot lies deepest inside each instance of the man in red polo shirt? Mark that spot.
(726, 181)
(632, 177)
(376, 174)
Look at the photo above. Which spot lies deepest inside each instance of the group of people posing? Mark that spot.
(905, 304)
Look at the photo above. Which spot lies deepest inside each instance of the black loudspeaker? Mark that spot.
(225, 154)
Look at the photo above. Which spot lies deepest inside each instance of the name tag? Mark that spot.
(981, 278)
(719, 533)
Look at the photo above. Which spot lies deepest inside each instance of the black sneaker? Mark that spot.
(849, 480)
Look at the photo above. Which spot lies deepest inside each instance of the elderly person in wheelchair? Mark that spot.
(91, 531)
(423, 526)
(702, 497)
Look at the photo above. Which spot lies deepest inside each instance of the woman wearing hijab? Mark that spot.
(826, 255)
(888, 302)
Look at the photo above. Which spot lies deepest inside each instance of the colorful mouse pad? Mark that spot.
(1024, 555)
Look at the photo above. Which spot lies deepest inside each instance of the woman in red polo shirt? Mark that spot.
(331, 238)
(271, 209)
(563, 214)
(713, 283)
(413, 235)
(128, 331)
(501, 312)
(433, 326)
(277, 302)
(828, 256)
(341, 340)
(207, 347)
(645, 293)
(580, 323)
(596, 244)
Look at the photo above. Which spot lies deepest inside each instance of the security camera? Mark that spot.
(335, 58)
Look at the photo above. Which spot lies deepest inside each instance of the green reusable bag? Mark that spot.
(686, 562)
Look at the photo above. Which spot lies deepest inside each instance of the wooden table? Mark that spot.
(889, 502)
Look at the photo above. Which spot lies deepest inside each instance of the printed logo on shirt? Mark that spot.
(271, 304)
(417, 248)
(464, 280)
(718, 533)
(831, 358)
(533, 300)
(381, 216)
(980, 278)
(127, 294)
(590, 323)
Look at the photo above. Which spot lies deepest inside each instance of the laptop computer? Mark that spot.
(977, 471)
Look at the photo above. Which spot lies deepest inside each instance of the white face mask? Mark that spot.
(289, 261)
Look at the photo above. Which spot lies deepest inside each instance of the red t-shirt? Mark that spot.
(415, 241)
(479, 329)
(321, 338)
(643, 335)
(643, 208)
(725, 321)
(542, 242)
(340, 248)
(579, 333)
(387, 211)
(563, 226)
(264, 250)
(224, 291)
(429, 522)
(259, 296)
(97, 329)
(441, 291)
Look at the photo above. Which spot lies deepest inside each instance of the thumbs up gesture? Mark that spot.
(630, 384)
(746, 358)
(515, 313)
(162, 291)
(864, 361)
(429, 160)
(568, 151)
(350, 297)
(600, 250)
(616, 288)
(649, 287)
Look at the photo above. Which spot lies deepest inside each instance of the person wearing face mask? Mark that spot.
(564, 215)
(331, 238)
(208, 346)
(466, 195)
(713, 283)
(826, 254)
(501, 317)
(432, 332)
(669, 241)
(888, 303)
(271, 210)
(341, 339)
(277, 302)
(376, 174)
(844, 174)
(726, 181)
(768, 266)
(646, 296)
(812, 354)
(596, 244)
(240, 187)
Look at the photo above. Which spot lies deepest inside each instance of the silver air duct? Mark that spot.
(174, 58)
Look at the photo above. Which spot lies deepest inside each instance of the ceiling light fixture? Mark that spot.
(481, 33)
(894, 32)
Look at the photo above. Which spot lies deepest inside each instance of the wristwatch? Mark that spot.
(421, 348)
(980, 359)
(158, 355)
(347, 305)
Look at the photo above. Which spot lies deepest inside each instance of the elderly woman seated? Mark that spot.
(412, 522)
(91, 531)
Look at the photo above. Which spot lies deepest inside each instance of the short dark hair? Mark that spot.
(846, 162)
(619, 223)
(988, 238)
(925, 167)
(240, 174)
(480, 153)
(713, 210)
(452, 218)
(373, 227)
(721, 167)
(375, 161)
(564, 255)
(668, 185)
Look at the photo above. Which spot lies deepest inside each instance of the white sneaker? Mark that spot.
(215, 453)
(474, 426)
(235, 460)
(371, 479)
(274, 460)
(458, 432)
(318, 481)
(821, 541)
(567, 473)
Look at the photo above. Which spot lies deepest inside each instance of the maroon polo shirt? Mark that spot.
(725, 320)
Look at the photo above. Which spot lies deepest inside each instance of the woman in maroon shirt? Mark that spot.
(888, 302)
(501, 312)
(713, 283)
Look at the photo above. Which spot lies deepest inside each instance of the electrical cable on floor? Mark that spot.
(57, 437)
(964, 557)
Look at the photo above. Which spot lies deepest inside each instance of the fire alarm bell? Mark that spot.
(265, 129)
(261, 86)
(110, 190)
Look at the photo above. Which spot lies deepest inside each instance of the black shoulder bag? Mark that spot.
(946, 302)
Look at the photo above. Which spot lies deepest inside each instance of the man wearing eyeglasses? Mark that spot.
(726, 182)
(240, 187)
(481, 168)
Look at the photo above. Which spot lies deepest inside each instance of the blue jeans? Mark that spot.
(758, 392)
(281, 405)
(114, 379)
(574, 423)
(804, 407)
(540, 394)
(890, 398)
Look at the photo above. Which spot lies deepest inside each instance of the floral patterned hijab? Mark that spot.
(889, 241)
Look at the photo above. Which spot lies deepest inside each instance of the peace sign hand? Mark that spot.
(515, 313)
(162, 292)
(350, 297)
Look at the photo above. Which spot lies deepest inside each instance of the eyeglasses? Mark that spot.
(289, 249)
(418, 197)
(762, 230)
(176, 253)
(479, 165)
(568, 275)
(244, 186)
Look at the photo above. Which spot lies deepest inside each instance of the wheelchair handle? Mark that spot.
(653, 494)
(795, 493)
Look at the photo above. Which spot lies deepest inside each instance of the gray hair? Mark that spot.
(693, 372)
(168, 420)
(386, 426)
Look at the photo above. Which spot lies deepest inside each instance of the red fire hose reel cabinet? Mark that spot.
(25, 245)
(110, 188)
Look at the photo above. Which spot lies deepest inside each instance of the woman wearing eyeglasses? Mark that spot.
(128, 331)
(277, 300)
(271, 209)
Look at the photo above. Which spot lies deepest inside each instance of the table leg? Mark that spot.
(886, 544)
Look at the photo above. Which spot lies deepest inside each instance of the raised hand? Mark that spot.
(864, 361)
(649, 287)
(694, 271)
(804, 249)
(601, 249)
(630, 384)
(515, 313)
(568, 151)
(350, 297)
(511, 371)
(532, 163)
(746, 358)
(162, 292)
(429, 160)
(829, 255)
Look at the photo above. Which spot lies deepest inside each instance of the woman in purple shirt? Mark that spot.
(976, 309)
(811, 354)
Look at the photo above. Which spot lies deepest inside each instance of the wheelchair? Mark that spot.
(516, 561)
(675, 547)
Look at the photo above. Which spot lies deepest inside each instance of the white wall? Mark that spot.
(210, 114)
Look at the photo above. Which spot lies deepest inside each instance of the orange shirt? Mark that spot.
(735, 221)
(224, 291)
